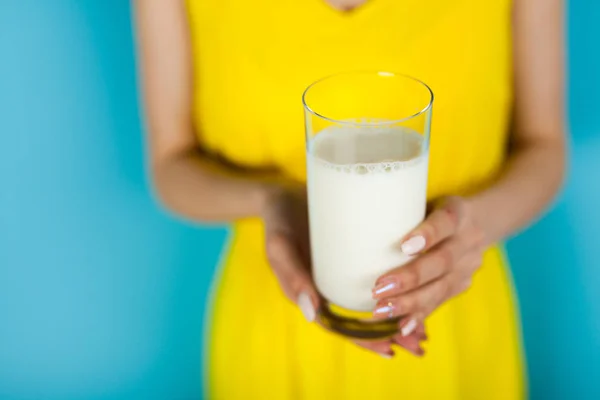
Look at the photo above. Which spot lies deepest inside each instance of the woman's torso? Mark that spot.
(253, 59)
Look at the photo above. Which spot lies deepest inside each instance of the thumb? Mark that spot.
(293, 276)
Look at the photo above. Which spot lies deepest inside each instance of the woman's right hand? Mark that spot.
(285, 217)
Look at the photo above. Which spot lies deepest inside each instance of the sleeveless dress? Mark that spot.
(252, 61)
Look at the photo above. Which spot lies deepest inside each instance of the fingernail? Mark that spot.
(386, 285)
(413, 245)
(387, 310)
(386, 355)
(409, 327)
(306, 306)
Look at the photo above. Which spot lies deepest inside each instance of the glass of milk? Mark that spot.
(367, 145)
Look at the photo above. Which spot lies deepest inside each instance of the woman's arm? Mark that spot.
(451, 241)
(536, 165)
(188, 182)
(197, 187)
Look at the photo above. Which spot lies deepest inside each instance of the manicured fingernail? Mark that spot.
(386, 285)
(306, 307)
(386, 310)
(409, 327)
(413, 245)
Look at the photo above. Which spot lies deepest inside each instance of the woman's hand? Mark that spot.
(450, 246)
(285, 217)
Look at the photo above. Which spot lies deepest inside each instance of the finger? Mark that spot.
(384, 348)
(409, 325)
(292, 275)
(463, 279)
(421, 301)
(421, 271)
(420, 330)
(410, 343)
(381, 347)
(410, 336)
(442, 223)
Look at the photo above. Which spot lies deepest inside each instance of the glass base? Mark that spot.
(354, 324)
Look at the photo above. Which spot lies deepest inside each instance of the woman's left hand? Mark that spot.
(449, 245)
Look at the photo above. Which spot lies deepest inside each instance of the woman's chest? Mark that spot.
(253, 59)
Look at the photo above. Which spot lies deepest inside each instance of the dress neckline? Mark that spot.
(359, 12)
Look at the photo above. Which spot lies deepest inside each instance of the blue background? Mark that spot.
(102, 293)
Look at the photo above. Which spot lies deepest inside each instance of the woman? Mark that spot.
(223, 80)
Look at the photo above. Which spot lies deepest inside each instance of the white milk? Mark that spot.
(367, 190)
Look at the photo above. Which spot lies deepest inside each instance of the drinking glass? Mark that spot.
(367, 145)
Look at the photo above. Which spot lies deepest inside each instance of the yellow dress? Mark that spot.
(252, 61)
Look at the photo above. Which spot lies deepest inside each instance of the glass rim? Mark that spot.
(367, 72)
